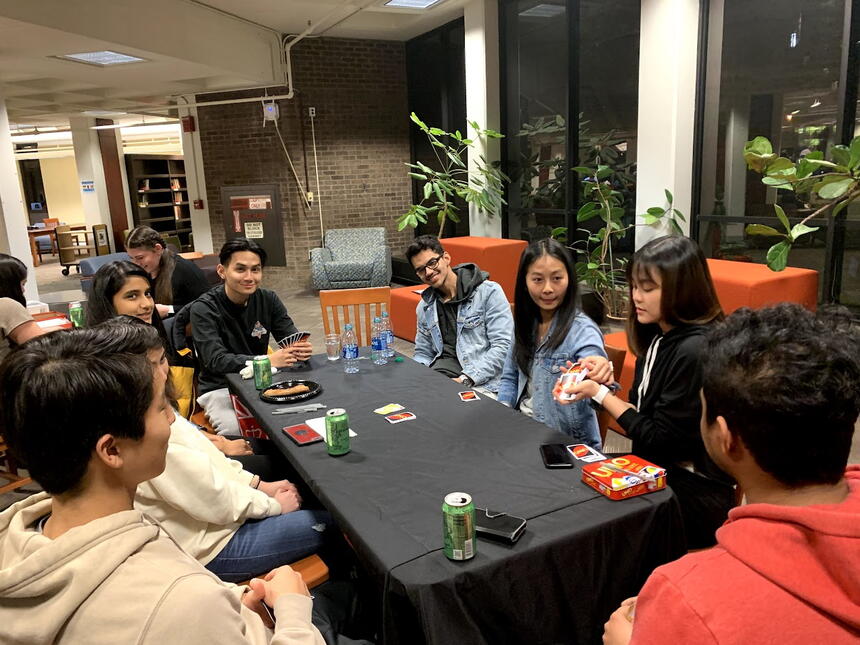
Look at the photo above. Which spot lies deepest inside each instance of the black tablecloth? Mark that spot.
(581, 553)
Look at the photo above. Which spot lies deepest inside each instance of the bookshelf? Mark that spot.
(159, 196)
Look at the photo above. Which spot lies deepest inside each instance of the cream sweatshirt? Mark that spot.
(202, 497)
(120, 579)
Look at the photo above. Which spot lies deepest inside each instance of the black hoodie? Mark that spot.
(469, 276)
(665, 429)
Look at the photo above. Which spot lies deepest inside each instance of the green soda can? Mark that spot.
(76, 314)
(262, 372)
(337, 432)
(458, 519)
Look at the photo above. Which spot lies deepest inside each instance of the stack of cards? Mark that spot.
(298, 337)
(573, 376)
(393, 414)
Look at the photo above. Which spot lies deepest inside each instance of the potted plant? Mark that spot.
(597, 266)
(443, 187)
(828, 186)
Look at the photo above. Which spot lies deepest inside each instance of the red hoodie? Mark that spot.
(779, 574)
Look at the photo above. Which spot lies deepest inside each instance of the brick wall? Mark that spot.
(358, 88)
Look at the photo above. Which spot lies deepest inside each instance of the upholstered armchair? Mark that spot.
(352, 258)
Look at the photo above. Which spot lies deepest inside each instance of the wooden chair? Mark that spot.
(350, 303)
(616, 357)
(72, 248)
(9, 471)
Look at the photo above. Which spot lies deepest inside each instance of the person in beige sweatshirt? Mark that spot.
(77, 563)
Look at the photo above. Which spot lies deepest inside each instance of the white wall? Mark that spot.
(62, 189)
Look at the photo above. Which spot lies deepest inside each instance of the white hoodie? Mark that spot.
(120, 579)
(202, 497)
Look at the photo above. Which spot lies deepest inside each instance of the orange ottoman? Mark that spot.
(498, 257)
(404, 301)
(744, 284)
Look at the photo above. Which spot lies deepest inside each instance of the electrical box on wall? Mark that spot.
(270, 111)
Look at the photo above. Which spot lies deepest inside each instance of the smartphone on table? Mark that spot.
(556, 455)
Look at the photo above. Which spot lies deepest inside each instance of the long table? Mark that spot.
(581, 553)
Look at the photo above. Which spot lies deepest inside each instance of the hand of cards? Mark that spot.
(574, 375)
(292, 339)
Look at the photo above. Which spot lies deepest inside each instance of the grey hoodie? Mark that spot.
(121, 579)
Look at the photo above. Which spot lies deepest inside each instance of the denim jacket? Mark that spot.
(484, 330)
(576, 419)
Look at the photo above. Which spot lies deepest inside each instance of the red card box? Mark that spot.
(617, 485)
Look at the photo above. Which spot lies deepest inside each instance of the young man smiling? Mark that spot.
(464, 319)
(780, 399)
(231, 324)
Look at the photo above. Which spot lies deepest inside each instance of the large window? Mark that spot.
(782, 69)
(570, 83)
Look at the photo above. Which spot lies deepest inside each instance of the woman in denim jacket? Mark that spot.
(549, 332)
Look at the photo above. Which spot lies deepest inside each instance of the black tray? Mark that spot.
(315, 389)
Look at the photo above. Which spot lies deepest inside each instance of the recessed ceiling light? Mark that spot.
(411, 4)
(102, 58)
(543, 11)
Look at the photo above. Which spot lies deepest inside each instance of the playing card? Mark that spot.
(389, 408)
(574, 376)
(400, 417)
(468, 395)
(585, 453)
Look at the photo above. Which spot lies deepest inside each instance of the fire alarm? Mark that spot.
(270, 111)
(188, 124)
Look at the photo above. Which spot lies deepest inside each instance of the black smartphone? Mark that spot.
(499, 526)
(556, 455)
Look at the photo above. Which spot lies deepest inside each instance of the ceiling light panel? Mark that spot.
(104, 58)
(411, 4)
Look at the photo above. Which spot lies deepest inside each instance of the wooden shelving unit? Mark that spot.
(159, 196)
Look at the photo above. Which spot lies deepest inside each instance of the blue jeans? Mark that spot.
(262, 545)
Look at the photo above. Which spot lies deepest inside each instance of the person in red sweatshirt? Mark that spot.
(781, 395)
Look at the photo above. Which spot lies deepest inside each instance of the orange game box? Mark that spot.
(624, 477)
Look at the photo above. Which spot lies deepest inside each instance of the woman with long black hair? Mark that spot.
(16, 324)
(673, 304)
(549, 331)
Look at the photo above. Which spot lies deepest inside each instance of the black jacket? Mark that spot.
(665, 430)
(187, 282)
(227, 335)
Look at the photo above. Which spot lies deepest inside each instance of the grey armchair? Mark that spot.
(352, 258)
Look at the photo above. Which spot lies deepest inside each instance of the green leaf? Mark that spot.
(758, 153)
(418, 121)
(587, 211)
(759, 146)
(676, 227)
(782, 218)
(437, 132)
(650, 220)
(801, 229)
(762, 229)
(780, 163)
(582, 170)
(668, 195)
(428, 188)
(559, 232)
(418, 175)
(656, 211)
(604, 171)
(854, 153)
(777, 255)
(841, 155)
(841, 206)
(779, 181)
(456, 159)
(591, 266)
(837, 188)
(678, 214)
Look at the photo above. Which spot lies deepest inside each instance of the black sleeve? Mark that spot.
(188, 283)
(206, 324)
(281, 323)
(671, 427)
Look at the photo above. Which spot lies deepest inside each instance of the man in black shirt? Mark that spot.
(232, 323)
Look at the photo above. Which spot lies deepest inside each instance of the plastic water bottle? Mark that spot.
(349, 350)
(389, 335)
(378, 343)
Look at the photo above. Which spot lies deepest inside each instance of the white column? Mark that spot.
(481, 19)
(196, 183)
(88, 159)
(667, 100)
(13, 217)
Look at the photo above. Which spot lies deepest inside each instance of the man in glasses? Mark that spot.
(464, 319)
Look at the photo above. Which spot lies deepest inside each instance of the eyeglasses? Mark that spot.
(430, 265)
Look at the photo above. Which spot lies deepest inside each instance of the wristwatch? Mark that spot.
(465, 380)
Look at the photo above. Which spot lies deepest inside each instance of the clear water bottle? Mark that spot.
(378, 343)
(349, 350)
(389, 335)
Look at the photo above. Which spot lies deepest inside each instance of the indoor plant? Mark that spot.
(453, 181)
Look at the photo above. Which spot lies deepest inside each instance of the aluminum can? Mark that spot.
(262, 372)
(76, 314)
(458, 520)
(337, 432)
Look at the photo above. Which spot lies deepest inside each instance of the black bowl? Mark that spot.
(315, 389)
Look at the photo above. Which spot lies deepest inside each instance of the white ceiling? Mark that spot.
(190, 47)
